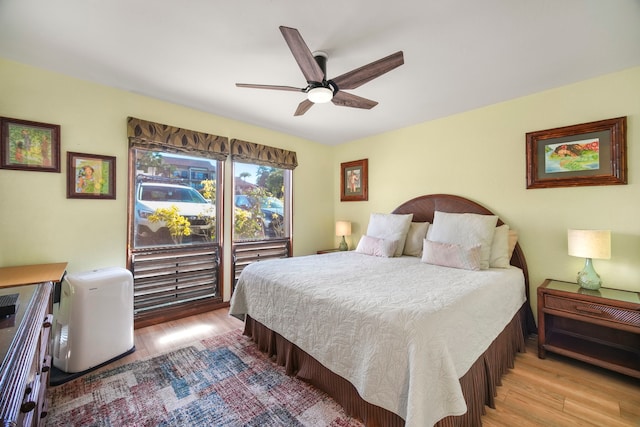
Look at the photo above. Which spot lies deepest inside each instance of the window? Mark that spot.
(174, 203)
(174, 222)
(175, 217)
(260, 197)
(175, 255)
(262, 214)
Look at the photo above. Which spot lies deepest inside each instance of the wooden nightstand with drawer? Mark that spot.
(327, 251)
(599, 327)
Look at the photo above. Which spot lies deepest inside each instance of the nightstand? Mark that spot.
(327, 251)
(599, 327)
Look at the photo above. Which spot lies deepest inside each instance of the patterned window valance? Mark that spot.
(154, 136)
(245, 151)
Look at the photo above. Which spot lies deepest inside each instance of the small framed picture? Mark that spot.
(353, 181)
(91, 176)
(29, 146)
(592, 153)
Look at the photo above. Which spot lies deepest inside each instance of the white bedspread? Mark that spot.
(401, 331)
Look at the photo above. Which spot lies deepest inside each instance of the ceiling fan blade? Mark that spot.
(303, 56)
(344, 99)
(366, 73)
(303, 107)
(252, 86)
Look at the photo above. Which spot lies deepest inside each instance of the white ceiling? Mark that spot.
(459, 54)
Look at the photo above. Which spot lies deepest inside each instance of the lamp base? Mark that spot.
(343, 245)
(592, 292)
(588, 278)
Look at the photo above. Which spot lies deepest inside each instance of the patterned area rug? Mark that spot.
(220, 381)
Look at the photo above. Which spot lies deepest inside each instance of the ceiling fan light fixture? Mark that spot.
(320, 95)
(319, 88)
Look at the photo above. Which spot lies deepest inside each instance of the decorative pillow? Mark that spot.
(513, 239)
(451, 255)
(500, 248)
(415, 239)
(466, 229)
(377, 247)
(390, 227)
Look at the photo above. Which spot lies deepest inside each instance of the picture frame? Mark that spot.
(29, 146)
(90, 176)
(354, 185)
(593, 153)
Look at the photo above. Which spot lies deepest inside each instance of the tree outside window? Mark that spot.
(259, 202)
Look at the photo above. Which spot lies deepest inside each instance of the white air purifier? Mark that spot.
(94, 323)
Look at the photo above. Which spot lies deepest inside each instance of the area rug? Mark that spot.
(220, 381)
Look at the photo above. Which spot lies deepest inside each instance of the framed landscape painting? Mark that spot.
(91, 176)
(29, 146)
(592, 153)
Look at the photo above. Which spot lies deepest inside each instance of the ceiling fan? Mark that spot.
(319, 89)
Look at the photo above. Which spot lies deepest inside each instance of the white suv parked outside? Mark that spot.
(151, 196)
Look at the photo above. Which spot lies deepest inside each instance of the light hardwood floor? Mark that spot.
(556, 391)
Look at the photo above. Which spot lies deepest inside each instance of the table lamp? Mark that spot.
(343, 228)
(589, 244)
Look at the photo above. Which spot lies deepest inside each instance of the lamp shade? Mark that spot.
(589, 243)
(343, 228)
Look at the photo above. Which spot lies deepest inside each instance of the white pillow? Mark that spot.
(451, 255)
(513, 239)
(377, 247)
(500, 255)
(415, 238)
(390, 227)
(466, 229)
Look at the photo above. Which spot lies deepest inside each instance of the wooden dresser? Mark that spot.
(24, 343)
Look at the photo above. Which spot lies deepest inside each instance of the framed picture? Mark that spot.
(90, 176)
(592, 153)
(29, 146)
(353, 181)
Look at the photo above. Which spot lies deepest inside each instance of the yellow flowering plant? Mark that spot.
(178, 225)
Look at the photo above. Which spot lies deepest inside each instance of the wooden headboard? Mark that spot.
(423, 208)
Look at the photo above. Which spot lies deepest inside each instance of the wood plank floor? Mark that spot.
(559, 391)
(556, 391)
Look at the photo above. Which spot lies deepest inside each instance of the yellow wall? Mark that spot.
(38, 224)
(480, 154)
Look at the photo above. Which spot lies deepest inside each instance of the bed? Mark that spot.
(397, 340)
